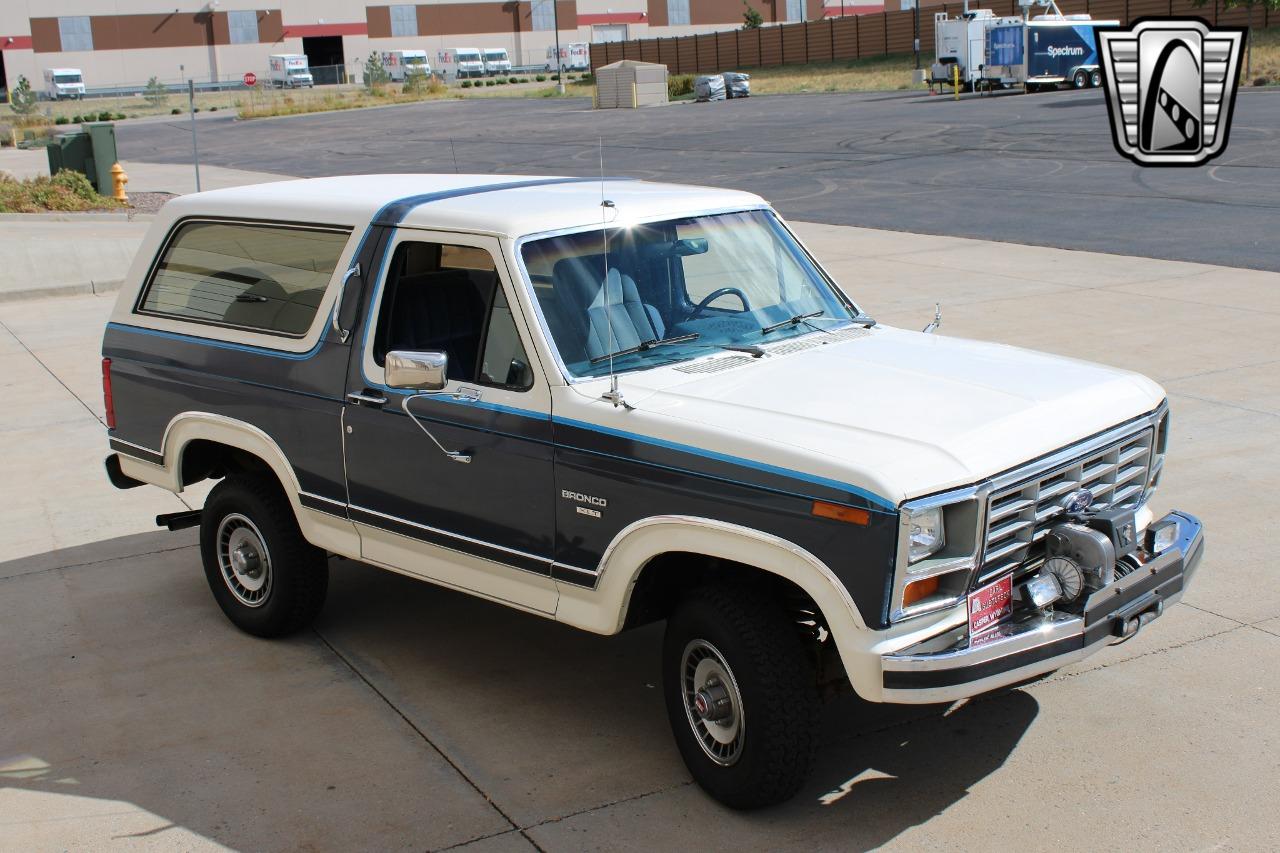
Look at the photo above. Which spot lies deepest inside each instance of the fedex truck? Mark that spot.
(62, 83)
(461, 62)
(289, 71)
(405, 63)
(573, 57)
(496, 61)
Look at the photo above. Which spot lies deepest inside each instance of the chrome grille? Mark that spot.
(1020, 514)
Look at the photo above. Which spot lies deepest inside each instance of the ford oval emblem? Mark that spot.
(1078, 501)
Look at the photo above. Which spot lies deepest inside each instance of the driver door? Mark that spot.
(485, 525)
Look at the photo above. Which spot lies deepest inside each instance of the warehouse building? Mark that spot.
(123, 43)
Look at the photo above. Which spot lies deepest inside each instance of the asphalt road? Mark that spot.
(1038, 169)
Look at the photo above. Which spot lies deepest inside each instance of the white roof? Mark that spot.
(459, 202)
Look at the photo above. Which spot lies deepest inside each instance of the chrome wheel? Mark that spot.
(712, 702)
(244, 560)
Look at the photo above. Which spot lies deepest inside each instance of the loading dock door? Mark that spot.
(608, 32)
(326, 58)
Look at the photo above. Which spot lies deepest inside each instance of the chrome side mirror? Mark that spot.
(417, 371)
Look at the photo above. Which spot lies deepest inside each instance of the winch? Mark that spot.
(1084, 553)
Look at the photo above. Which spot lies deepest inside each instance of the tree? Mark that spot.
(1274, 5)
(156, 93)
(375, 74)
(22, 100)
(751, 19)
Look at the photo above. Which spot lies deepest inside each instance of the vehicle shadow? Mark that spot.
(125, 687)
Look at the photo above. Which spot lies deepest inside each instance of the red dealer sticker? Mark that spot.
(990, 605)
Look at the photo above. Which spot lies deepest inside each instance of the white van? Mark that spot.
(290, 71)
(573, 57)
(463, 61)
(405, 63)
(496, 61)
(62, 83)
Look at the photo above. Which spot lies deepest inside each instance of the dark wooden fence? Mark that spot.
(871, 35)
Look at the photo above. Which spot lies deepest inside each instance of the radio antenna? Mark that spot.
(613, 395)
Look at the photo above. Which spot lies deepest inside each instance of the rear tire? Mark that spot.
(265, 576)
(734, 646)
(1081, 80)
(1095, 79)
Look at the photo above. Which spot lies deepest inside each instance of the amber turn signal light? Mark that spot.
(822, 509)
(919, 590)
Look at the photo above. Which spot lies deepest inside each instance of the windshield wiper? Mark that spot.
(646, 345)
(794, 321)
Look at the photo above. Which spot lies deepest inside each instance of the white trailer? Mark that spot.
(289, 71)
(496, 61)
(962, 42)
(405, 63)
(573, 57)
(62, 83)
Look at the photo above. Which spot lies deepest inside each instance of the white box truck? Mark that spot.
(461, 62)
(496, 61)
(405, 63)
(289, 71)
(62, 83)
(573, 57)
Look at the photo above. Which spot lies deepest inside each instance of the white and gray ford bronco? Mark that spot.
(615, 402)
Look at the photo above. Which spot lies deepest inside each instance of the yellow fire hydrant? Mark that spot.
(118, 180)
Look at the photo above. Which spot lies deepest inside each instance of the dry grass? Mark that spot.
(859, 75)
(64, 191)
(1266, 57)
(132, 106)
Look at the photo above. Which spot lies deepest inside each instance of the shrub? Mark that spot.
(587, 79)
(76, 119)
(66, 190)
(156, 93)
(197, 109)
(541, 78)
(213, 109)
(175, 112)
(679, 84)
(22, 100)
(466, 84)
(489, 83)
(375, 74)
(436, 86)
(104, 116)
(119, 116)
(62, 120)
(513, 79)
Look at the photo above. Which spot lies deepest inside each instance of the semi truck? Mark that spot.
(289, 71)
(62, 83)
(401, 64)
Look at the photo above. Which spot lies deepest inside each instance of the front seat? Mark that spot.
(617, 319)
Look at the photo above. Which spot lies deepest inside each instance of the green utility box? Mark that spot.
(90, 151)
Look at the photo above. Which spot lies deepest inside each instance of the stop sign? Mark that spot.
(250, 78)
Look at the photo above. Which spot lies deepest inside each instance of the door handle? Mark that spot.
(366, 399)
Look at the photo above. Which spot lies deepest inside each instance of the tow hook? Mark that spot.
(1126, 627)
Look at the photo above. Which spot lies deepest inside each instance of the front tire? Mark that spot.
(741, 696)
(265, 576)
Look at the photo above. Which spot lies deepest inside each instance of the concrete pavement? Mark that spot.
(77, 253)
(416, 717)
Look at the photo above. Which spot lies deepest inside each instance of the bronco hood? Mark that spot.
(898, 413)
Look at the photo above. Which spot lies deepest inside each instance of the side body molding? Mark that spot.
(332, 532)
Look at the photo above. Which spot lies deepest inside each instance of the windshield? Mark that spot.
(495, 55)
(66, 78)
(415, 60)
(717, 281)
(466, 56)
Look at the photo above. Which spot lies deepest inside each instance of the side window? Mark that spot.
(260, 277)
(446, 297)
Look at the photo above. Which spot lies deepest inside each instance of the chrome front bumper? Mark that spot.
(1017, 651)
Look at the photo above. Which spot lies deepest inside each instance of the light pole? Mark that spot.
(555, 22)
